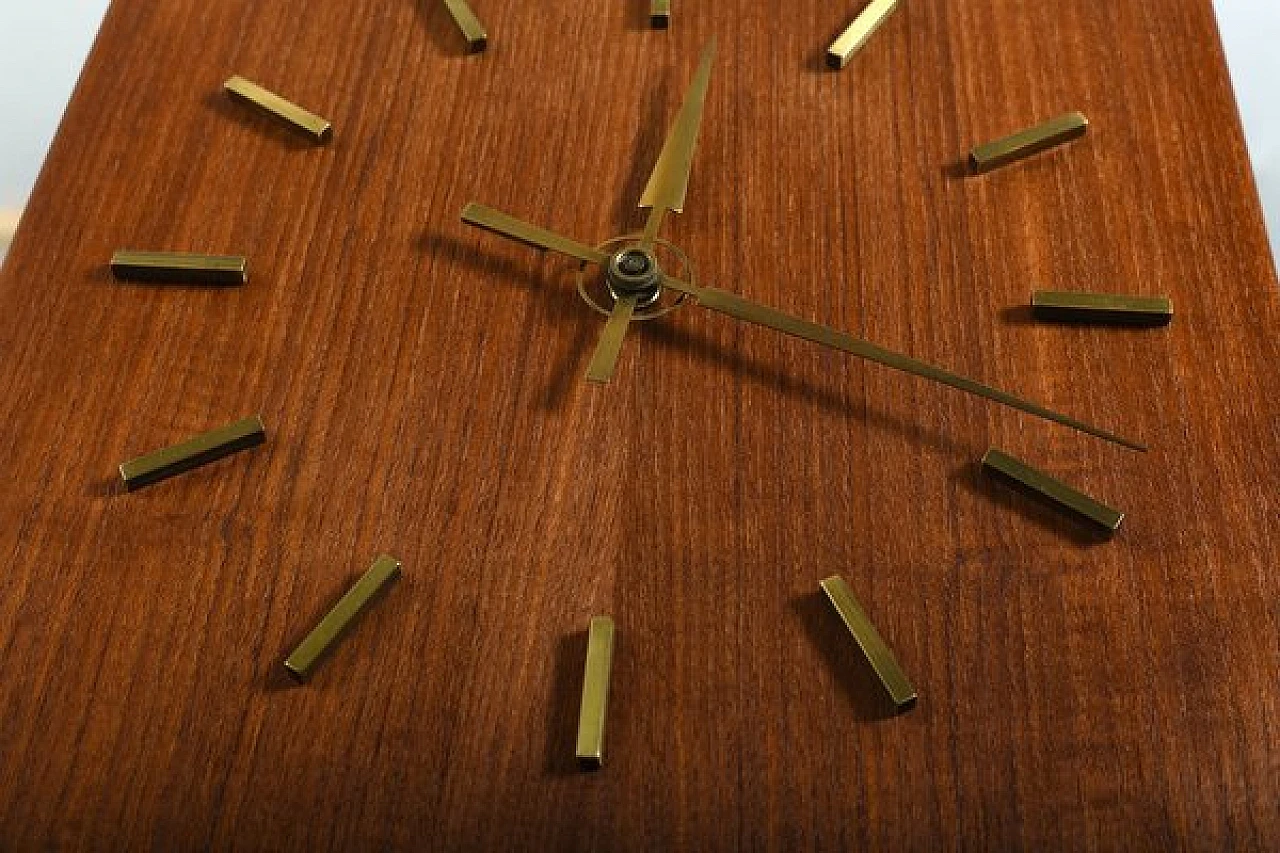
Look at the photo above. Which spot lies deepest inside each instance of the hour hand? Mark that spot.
(669, 182)
(635, 281)
(665, 191)
(508, 226)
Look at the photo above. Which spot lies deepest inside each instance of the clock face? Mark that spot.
(423, 389)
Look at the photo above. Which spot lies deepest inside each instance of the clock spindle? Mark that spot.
(633, 275)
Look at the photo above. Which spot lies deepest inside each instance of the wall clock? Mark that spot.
(422, 387)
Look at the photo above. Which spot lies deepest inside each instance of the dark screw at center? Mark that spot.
(633, 263)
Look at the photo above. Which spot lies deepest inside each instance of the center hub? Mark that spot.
(634, 271)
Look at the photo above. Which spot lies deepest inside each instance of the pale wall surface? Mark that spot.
(43, 45)
(1251, 33)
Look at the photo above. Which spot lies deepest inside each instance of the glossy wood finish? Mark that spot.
(424, 386)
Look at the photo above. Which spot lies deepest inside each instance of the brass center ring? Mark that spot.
(608, 247)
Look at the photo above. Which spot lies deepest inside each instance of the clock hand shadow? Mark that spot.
(829, 399)
(849, 667)
(645, 151)
(561, 302)
(522, 268)
(260, 123)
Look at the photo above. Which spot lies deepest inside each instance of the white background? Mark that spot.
(43, 44)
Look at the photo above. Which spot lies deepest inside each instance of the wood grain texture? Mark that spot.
(421, 385)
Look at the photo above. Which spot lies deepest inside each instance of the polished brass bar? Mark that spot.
(855, 36)
(472, 29)
(1025, 143)
(595, 693)
(304, 659)
(1053, 491)
(891, 676)
(179, 268)
(1102, 308)
(193, 453)
(288, 112)
(660, 14)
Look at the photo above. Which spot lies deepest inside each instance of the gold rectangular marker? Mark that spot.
(193, 453)
(660, 14)
(302, 662)
(1102, 308)
(472, 30)
(855, 36)
(288, 112)
(179, 268)
(595, 693)
(1056, 492)
(1025, 143)
(891, 676)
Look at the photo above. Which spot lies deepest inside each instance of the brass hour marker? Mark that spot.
(863, 27)
(1025, 143)
(891, 676)
(472, 30)
(595, 693)
(180, 268)
(302, 662)
(660, 14)
(290, 113)
(1054, 491)
(1102, 308)
(192, 453)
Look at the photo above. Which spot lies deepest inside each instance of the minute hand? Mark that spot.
(752, 312)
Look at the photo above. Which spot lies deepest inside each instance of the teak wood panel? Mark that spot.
(421, 384)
